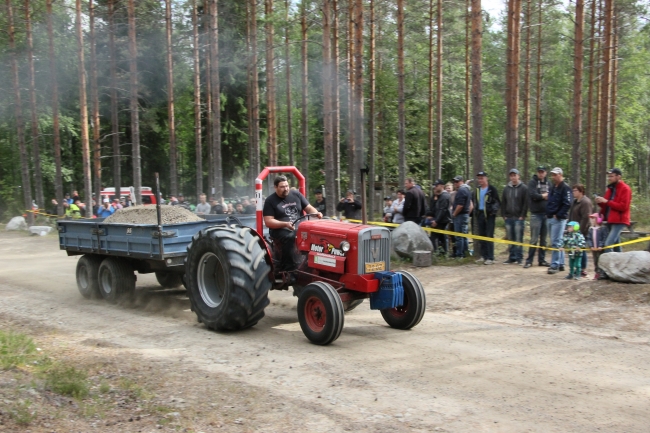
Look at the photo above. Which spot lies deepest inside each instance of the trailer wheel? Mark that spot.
(408, 315)
(320, 313)
(169, 280)
(116, 279)
(87, 272)
(351, 305)
(227, 277)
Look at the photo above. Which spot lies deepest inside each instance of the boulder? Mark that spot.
(16, 223)
(629, 267)
(40, 230)
(410, 237)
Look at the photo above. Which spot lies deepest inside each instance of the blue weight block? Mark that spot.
(390, 293)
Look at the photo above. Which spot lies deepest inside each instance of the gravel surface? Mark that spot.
(147, 215)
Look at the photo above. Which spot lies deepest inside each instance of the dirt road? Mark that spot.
(500, 349)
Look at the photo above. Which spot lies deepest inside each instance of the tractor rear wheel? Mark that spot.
(116, 279)
(86, 273)
(169, 280)
(227, 277)
(411, 312)
(320, 313)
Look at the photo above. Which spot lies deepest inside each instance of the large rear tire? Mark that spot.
(411, 312)
(116, 279)
(87, 275)
(320, 313)
(169, 280)
(227, 277)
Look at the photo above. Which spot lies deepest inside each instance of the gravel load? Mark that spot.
(147, 215)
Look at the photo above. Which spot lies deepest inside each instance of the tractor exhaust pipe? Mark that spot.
(364, 214)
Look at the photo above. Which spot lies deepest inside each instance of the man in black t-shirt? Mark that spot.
(280, 211)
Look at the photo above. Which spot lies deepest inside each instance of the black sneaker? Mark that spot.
(528, 265)
(507, 262)
(545, 263)
(552, 270)
(561, 268)
(569, 277)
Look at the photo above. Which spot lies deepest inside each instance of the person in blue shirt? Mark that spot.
(486, 207)
(106, 210)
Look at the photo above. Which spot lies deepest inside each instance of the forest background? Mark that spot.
(99, 93)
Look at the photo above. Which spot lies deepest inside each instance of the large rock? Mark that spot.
(16, 223)
(409, 237)
(40, 230)
(630, 267)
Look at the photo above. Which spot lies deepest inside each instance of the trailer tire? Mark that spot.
(227, 276)
(320, 313)
(169, 280)
(87, 275)
(116, 279)
(408, 315)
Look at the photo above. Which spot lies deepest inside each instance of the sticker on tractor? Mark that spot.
(325, 261)
(327, 248)
(375, 267)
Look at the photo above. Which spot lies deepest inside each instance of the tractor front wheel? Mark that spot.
(411, 312)
(320, 313)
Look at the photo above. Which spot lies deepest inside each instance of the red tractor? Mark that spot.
(230, 269)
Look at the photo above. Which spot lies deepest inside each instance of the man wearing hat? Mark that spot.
(615, 207)
(388, 205)
(514, 209)
(538, 188)
(557, 212)
(486, 207)
(350, 206)
(439, 209)
(319, 204)
(461, 209)
(106, 210)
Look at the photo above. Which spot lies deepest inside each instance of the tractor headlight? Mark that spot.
(345, 246)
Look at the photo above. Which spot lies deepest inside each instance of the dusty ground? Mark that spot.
(501, 348)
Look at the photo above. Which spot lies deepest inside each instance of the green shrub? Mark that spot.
(67, 380)
(15, 349)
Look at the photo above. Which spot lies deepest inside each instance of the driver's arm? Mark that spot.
(311, 209)
(272, 223)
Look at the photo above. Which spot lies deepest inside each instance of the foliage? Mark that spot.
(15, 350)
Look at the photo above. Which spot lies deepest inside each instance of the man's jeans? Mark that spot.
(486, 228)
(556, 232)
(461, 223)
(515, 232)
(614, 237)
(538, 232)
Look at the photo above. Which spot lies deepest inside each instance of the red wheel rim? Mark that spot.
(315, 314)
(402, 309)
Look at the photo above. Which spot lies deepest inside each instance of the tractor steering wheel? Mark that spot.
(304, 216)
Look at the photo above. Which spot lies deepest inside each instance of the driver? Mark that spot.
(281, 210)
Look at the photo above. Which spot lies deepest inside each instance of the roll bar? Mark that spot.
(258, 189)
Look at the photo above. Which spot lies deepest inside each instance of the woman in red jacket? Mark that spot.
(615, 207)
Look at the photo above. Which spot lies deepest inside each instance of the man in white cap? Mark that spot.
(557, 212)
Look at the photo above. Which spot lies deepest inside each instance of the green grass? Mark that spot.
(16, 350)
(67, 380)
(21, 412)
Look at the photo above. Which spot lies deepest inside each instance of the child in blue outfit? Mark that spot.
(573, 241)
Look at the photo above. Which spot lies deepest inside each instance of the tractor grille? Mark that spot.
(374, 250)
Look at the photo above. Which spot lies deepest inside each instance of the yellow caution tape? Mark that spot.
(38, 212)
(498, 241)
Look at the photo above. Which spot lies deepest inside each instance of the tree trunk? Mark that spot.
(94, 97)
(358, 95)
(304, 112)
(614, 85)
(197, 99)
(327, 103)
(351, 110)
(576, 128)
(115, 125)
(215, 98)
(477, 92)
(336, 103)
(272, 141)
(526, 171)
(36, 152)
(430, 127)
(538, 100)
(371, 112)
(208, 99)
(18, 113)
(512, 86)
(605, 95)
(287, 65)
(83, 108)
(254, 107)
(439, 93)
(133, 106)
(590, 100)
(56, 138)
(401, 114)
(173, 152)
(468, 85)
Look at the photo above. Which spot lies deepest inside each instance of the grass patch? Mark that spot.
(21, 413)
(67, 380)
(15, 350)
